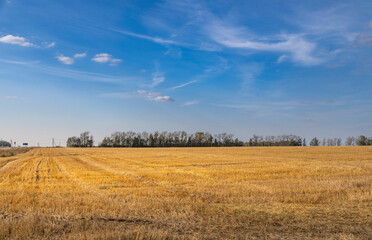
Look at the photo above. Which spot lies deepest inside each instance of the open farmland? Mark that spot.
(187, 193)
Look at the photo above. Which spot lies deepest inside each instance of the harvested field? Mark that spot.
(187, 193)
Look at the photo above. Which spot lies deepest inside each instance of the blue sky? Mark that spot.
(243, 67)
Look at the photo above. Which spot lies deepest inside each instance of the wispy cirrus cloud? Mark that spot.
(16, 40)
(157, 78)
(333, 22)
(303, 41)
(293, 45)
(106, 58)
(18, 62)
(75, 74)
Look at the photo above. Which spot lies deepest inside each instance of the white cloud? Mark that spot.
(190, 103)
(65, 60)
(80, 55)
(150, 96)
(106, 58)
(21, 41)
(50, 45)
(70, 60)
(161, 99)
(157, 78)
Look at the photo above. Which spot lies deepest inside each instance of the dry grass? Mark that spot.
(9, 152)
(187, 193)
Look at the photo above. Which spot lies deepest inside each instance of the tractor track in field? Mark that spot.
(57, 218)
(37, 178)
(98, 193)
(79, 182)
(3, 164)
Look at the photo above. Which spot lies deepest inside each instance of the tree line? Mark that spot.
(205, 139)
(281, 140)
(85, 140)
(350, 141)
(170, 139)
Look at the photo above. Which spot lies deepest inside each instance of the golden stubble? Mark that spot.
(187, 193)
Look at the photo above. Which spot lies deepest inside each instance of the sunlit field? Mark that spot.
(187, 193)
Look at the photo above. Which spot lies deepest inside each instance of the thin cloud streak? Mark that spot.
(190, 103)
(73, 74)
(149, 96)
(183, 85)
(18, 62)
(153, 39)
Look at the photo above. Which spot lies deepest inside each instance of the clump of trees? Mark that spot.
(332, 142)
(360, 141)
(5, 143)
(314, 142)
(282, 140)
(169, 139)
(85, 140)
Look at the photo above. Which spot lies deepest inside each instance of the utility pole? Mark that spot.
(52, 142)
